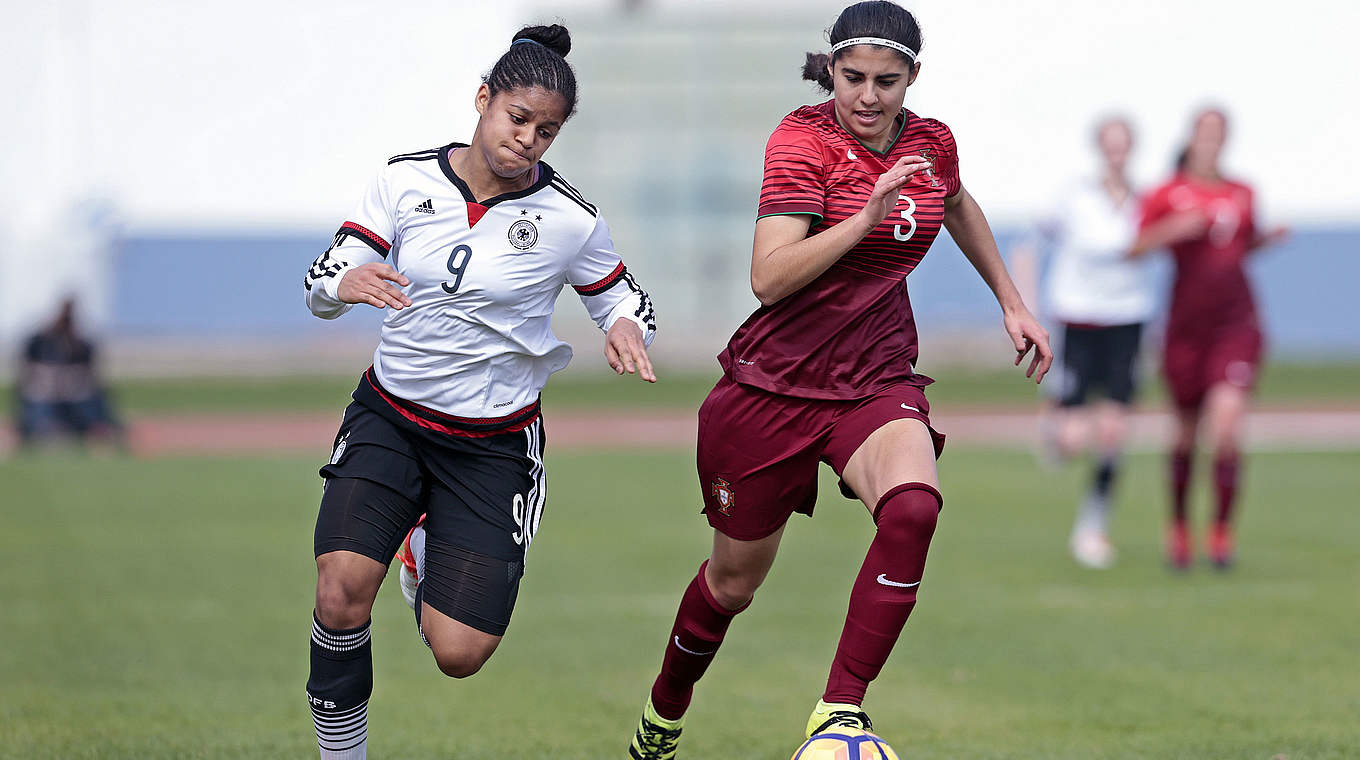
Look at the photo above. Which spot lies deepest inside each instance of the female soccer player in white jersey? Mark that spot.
(855, 191)
(467, 248)
(1102, 299)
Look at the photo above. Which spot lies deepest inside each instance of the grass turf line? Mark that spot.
(677, 390)
(159, 609)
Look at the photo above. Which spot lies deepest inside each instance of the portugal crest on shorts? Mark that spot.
(522, 234)
(722, 491)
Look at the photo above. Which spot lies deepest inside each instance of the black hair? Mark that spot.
(871, 19)
(536, 58)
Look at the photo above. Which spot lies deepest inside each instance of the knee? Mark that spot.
(731, 588)
(342, 601)
(457, 662)
(908, 511)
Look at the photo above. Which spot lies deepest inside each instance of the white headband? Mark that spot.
(899, 47)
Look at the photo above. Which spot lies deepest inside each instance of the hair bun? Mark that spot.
(554, 37)
(815, 70)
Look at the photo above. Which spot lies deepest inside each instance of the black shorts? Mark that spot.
(480, 484)
(1099, 358)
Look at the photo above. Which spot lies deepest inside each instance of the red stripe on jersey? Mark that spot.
(850, 332)
(409, 409)
(600, 286)
(367, 234)
(475, 213)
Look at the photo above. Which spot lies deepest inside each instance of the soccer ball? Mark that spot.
(845, 744)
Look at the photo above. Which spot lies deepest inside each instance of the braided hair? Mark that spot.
(536, 58)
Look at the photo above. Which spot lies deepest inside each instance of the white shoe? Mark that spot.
(1092, 548)
(411, 555)
(408, 586)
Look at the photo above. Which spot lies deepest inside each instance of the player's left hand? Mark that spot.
(1276, 235)
(1027, 333)
(626, 351)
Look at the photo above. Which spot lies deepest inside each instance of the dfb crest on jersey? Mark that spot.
(727, 499)
(522, 234)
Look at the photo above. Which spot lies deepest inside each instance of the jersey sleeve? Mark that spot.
(1155, 205)
(606, 288)
(364, 238)
(795, 173)
(946, 164)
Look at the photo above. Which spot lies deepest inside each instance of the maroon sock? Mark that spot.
(1226, 468)
(700, 625)
(885, 590)
(1181, 461)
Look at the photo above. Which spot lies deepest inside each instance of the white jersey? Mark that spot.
(1090, 279)
(476, 341)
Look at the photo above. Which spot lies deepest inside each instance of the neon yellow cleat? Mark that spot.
(656, 737)
(835, 715)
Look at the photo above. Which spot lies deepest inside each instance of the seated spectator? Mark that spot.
(58, 390)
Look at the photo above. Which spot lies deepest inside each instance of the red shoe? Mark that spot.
(1222, 548)
(1179, 550)
(410, 577)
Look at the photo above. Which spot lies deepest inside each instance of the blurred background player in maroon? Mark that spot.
(855, 191)
(1214, 344)
(1101, 300)
(59, 392)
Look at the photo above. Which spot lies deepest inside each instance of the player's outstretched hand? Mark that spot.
(1028, 334)
(369, 284)
(884, 197)
(626, 351)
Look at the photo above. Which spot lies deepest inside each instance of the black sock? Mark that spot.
(1103, 483)
(338, 689)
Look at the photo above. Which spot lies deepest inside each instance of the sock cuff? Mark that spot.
(1229, 459)
(340, 640)
(701, 581)
(903, 488)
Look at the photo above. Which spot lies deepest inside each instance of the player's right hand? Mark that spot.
(883, 199)
(1191, 224)
(369, 283)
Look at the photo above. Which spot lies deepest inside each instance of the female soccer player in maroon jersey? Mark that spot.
(1213, 336)
(855, 191)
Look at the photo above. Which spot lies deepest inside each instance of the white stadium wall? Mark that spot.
(215, 120)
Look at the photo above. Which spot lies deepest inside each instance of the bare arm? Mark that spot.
(1174, 228)
(1273, 236)
(968, 226)
(784, 258)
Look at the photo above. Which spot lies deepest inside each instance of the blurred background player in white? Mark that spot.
(467, 247)
(1214, 343)
(1100, 300)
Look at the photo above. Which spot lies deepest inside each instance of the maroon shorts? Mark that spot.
(1195, 363)
(758, 451)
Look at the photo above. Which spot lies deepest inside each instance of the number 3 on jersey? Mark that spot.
(907, 215)
(458, 261)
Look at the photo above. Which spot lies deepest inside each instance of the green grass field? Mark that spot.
(1281, 384)
(159, 609)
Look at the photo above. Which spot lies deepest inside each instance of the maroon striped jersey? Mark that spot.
(849, 333)
(1211, 288)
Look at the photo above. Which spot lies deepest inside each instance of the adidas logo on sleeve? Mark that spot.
(425, 208)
